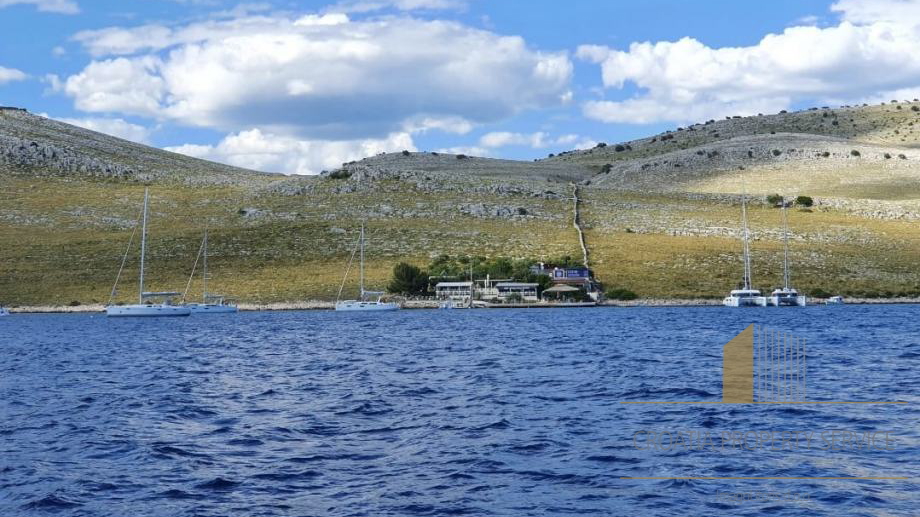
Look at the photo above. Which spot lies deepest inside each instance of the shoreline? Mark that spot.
(431, 304)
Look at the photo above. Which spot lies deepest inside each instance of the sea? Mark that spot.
(454, 412)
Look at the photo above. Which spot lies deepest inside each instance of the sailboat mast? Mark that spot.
(140, 295)
(785, 247)
(204, 292)
(747, 248)
(362, 261)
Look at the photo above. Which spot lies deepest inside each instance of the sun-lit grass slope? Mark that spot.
(681, 246)
(33, 145)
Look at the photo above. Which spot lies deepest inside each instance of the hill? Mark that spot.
(662, 219)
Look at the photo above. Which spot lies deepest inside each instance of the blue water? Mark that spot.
(501, 412)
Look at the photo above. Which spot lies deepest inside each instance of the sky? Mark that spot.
(301, 87)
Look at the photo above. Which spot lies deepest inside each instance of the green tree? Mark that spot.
(774, 199)
(804, 201)
(408, 280)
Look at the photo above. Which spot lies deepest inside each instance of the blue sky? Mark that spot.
(298, 87)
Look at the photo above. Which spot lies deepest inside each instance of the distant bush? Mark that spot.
(340, 174)
(783, 111)
(887, 156)
(774, 199)
(600, 145)
(619, 148)
(406, 153)
(854, 152)
(618, 293)
(817, 292)
(777, 152)
(408, 280)
(606, 168)
(461, 157)
(914, 108)
(550, 155)
(74, 303)
(805, 201)
(835, 123)
(901, 156)
(434, 154)
(825, 154)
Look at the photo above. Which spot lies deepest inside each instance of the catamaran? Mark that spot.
(747, 296)
(149, 304)
(362, 304)
(210, 303)
(786, 295)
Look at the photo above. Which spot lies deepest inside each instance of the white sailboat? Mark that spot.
(786, 296)
(146, 306)
(362, 304)
(4, 311)
(210, 303)
(747, 296)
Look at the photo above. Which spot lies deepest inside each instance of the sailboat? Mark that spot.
(4, 311)
(146, 305)
(787, 295)
(210, 303)
(747, 296)
(362, 304)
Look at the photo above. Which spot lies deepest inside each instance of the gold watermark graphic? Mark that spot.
(764, 366)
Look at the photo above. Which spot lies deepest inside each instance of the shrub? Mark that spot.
(618, 293)
(74, 303)
(550, 155)
(825, 154)
(600, 145)
(619, 148)
(914, 108)
(406, 153)
(887, 156)
(854, 152)
(434, 154)
(340, 174)
(901, 156)
(408, 280)
(461, 157)
(775, 199)
(805, 201)
(777, 152)
(817, 292)
(606, 168)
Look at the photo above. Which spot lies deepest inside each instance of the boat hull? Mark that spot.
(754, 301)
(211, 308)
(146, 311)
(356, 306)
(787, 301)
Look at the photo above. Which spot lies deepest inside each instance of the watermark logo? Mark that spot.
(764, 366)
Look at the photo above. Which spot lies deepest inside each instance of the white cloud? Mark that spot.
(536, 140)
(121, 85)
(868, 12)
(467, 150)
(11, 74)
(872, 50)
(363, 6)
(112, 126)
(319, 77)
(255, 149)
(50, 6)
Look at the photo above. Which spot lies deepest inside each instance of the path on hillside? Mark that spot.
(576, 222)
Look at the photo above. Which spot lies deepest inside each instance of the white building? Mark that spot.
(458, 292)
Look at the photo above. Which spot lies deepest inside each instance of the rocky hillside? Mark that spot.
(660, 214)
(31, 145)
